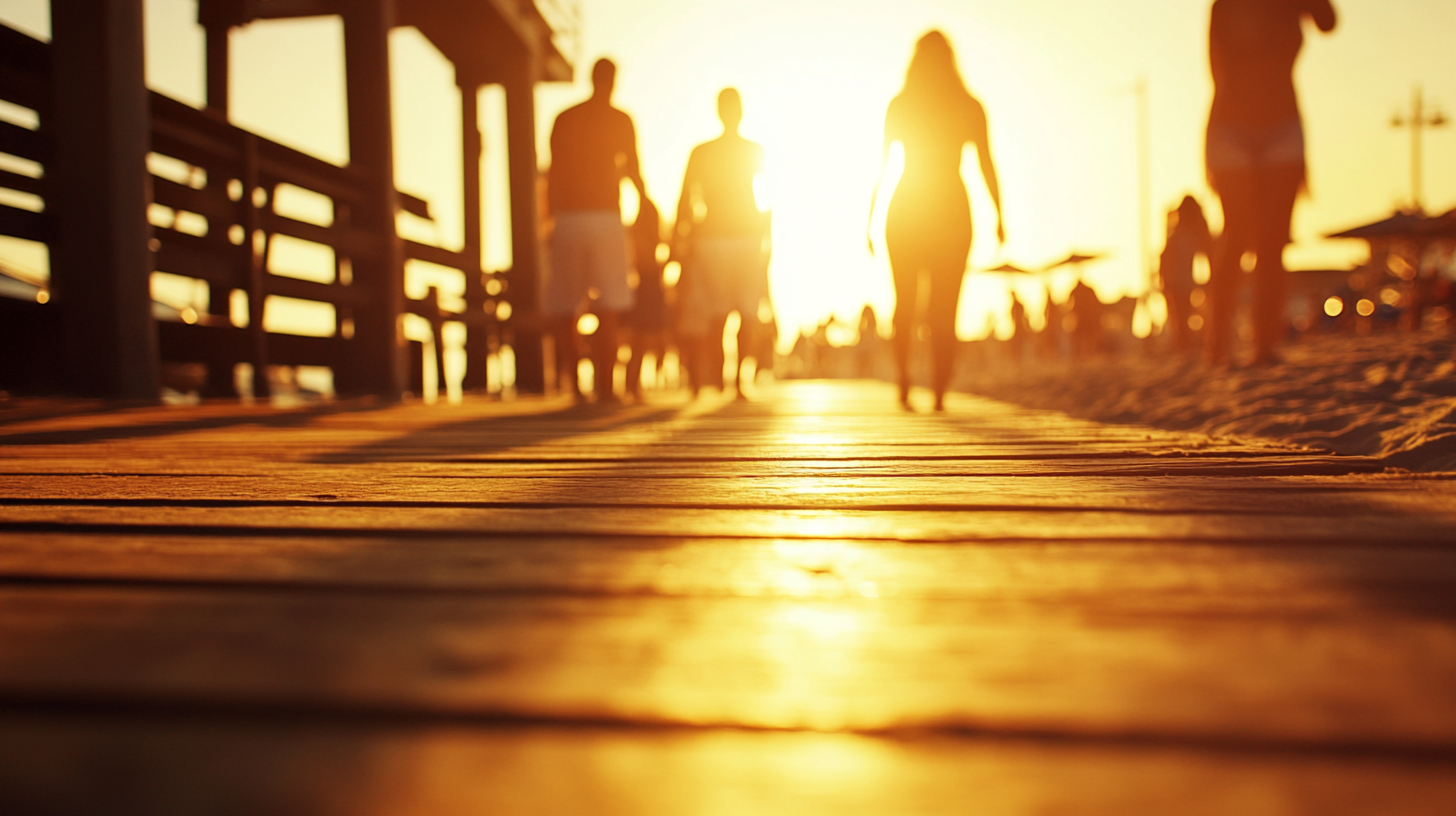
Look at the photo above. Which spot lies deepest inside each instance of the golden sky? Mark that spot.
(1056, 78)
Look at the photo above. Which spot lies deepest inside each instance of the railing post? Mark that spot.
(257, 243)
(217, 19)
(524, 277)
(477, 342)
(101, 261)
(378, 364)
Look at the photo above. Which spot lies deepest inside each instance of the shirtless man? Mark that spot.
(1255, 157)
(723, 244)
(593, 147)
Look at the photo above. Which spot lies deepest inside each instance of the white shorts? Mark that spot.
(724, 275)
(588, 252)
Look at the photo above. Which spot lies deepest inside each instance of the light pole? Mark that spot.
(1418, 120)
(1145, 180)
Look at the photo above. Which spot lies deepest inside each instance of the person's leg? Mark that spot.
(713, 355)
(1278, 189)
(945, 295)
(636, 341)
(690, 360)
(748, 331)
(568, 352)
(1237, 193)
(604, 356)
(903, 320)
(1176, 327)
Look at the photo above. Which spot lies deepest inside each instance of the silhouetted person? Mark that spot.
(1049, 340)
(723, 245)
(867, 348)
(1255, 157)
(593, 147)
(648, 318)
(1188, 238)
(1087, 315)
(928, 228)
(1020, 330)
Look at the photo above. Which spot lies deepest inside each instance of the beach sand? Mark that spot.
(1388, 395)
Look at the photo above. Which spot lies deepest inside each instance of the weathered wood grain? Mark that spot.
(809, 602)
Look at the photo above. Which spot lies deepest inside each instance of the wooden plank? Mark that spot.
(872, 525)
(25, 184)
(292, 349)
(211, 201)
(346, 241)
(1119, 578)
(24, 87)
(835, 664)
(313, 290)
(1333, 496)
(210, 259)
(182, 342)
(25, 224)
(439, 255)
(26, 143)
(23, 52)
(166, 764)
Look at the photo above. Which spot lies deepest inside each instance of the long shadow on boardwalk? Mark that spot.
(482, 436)
(141, 427)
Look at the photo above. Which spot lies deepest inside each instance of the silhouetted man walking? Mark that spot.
(593, 147)
(723, 243)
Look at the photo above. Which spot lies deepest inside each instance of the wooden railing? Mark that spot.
(214, 192)
(231, 180)
(233, 184)
(25, 81)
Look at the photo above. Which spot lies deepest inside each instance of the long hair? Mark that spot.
(933, 75)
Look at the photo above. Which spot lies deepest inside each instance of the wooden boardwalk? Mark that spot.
(811, 603)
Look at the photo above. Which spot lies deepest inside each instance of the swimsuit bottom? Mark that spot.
(1240, 147)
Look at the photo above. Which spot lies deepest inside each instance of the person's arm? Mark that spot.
(1322, 12)
(551, 171)
(683, 225)
(982, 140)
(875, 194)
(766, 214)
(631, 168)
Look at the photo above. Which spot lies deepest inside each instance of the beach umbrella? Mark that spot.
(1441, 226)
(1011, 269)
(1075, 259)
(1399, 225)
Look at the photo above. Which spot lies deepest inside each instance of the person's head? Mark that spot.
(1190, 213)
(604, 78)
(730, 109)
(933, 70)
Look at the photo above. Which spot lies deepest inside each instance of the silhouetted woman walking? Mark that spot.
(928, 226)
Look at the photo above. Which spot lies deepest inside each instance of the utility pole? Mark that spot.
(1418, 121)
(1145, 180)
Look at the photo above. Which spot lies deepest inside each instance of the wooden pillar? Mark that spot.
(218, 18)
(217, 68)
(219, 295)
(477, 343)
(377, 364)
(101, 261)
(524, 277)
